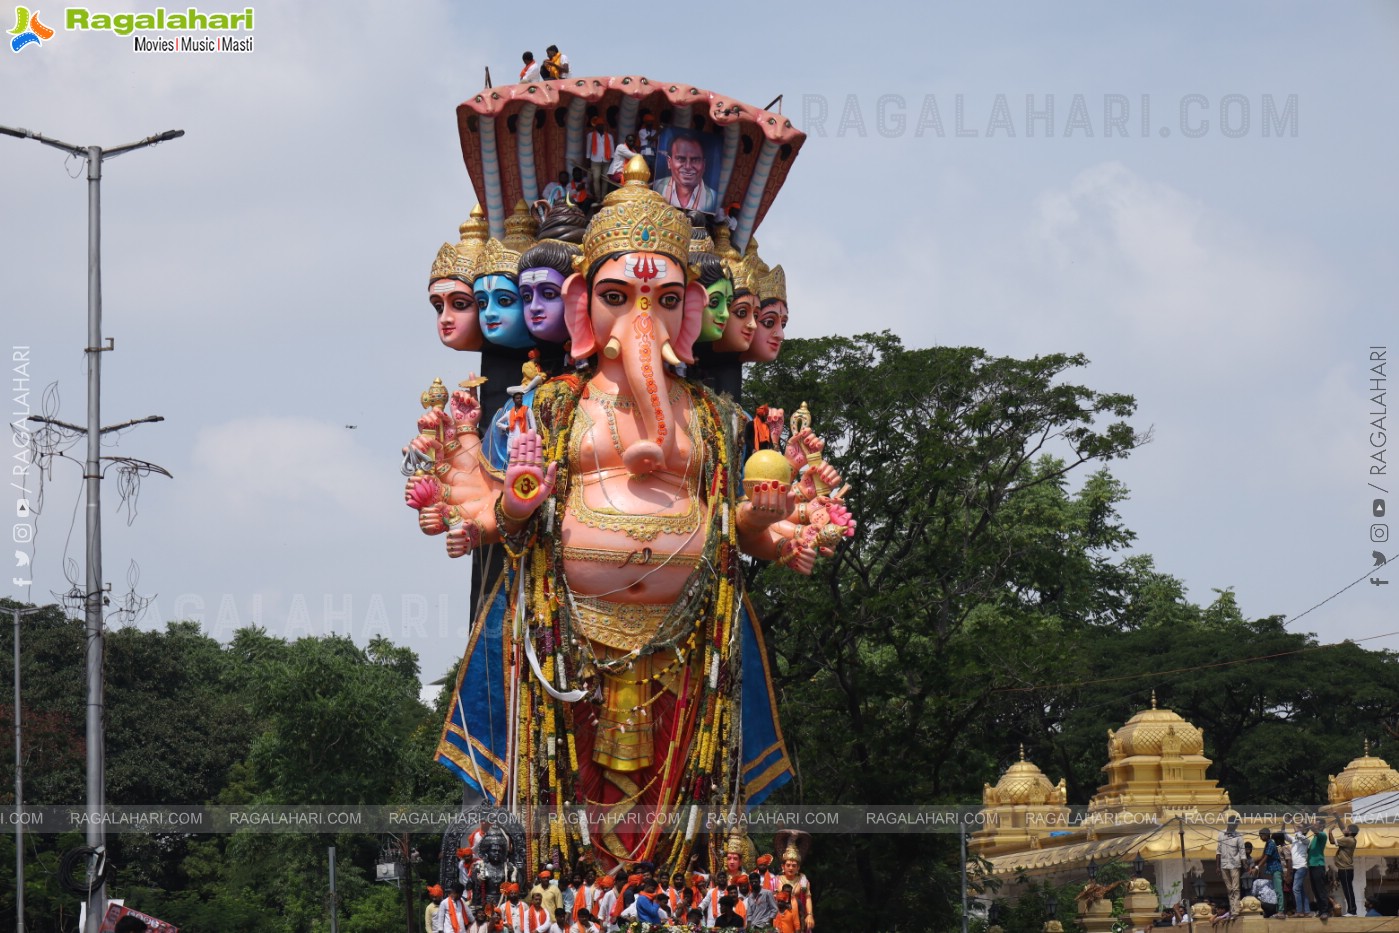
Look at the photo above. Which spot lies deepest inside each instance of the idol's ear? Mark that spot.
(696, 298)
(576, 317)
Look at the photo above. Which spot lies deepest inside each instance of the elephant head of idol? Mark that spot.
(631, 301)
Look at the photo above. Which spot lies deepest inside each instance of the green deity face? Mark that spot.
(716, 311)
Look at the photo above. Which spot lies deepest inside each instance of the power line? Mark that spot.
(1365, 576)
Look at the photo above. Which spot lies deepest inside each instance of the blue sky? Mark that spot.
(264, 276)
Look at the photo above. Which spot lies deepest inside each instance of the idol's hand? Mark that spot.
(436, 421)
(775, 416)
(463, 539)
(826, 473)
(465, 409)
(433, 519)
(767, 504)
(800, 444)
(838, 514)
(527, 483)
(795, 554)
(427, 445)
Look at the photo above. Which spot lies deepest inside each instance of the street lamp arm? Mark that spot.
(56, 423)
(21, 133)
(148, 141)
(141, 466)
(149, 419)
(85, 151)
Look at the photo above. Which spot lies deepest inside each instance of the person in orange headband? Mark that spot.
(786, 920)
(434, 897)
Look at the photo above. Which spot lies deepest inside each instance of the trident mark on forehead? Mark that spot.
(644, 267)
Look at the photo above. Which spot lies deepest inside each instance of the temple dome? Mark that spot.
(1156, 765)
(1158, 731)
(1364, 776)
(1020, 811)
(1023, 783)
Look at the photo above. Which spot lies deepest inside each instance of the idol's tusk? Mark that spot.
(613, 349)
(668, 354)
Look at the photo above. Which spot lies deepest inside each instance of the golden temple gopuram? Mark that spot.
(1158, 802)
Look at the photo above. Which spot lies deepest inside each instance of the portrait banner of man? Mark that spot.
(687, 169)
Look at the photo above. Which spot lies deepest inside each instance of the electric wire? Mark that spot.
(1032, 688)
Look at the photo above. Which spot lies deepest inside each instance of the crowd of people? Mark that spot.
(682, 185)
(587, 901)
(1288, 873)
(586, 182)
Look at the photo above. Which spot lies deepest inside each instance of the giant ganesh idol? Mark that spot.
(615, 668)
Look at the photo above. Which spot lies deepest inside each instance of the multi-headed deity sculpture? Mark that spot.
(615, 689)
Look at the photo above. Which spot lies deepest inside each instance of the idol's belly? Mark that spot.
(643, 556)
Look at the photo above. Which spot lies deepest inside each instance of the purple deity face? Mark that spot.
(541, 292)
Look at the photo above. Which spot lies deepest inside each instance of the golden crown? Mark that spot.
(520, 228)
(750, 271)
(635, 219)
(773, 286)
(701, 241)
(451, 263)
(498, 259)
(443, 262)
(474, 232)
(723, 247)
(739, 844)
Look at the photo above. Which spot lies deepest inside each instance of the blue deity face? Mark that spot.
(501, 312)
(541, 291)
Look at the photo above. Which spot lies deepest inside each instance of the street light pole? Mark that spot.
(962, 832)
(18, 613)
(1190, 906)
(92, 477)
(92, 481)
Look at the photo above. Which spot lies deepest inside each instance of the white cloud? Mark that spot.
(1136, 254)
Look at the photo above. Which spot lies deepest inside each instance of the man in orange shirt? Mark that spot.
(786, 920)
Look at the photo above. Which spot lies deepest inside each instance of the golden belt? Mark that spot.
(626, 626)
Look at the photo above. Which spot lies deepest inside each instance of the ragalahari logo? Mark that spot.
(28, 30)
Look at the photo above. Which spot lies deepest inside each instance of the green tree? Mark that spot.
(971, 556)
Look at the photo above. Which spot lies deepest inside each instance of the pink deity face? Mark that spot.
(733, 864)
(741, 325)
(637, 284)
(772, 329)
(791, 868)
(458, 326)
